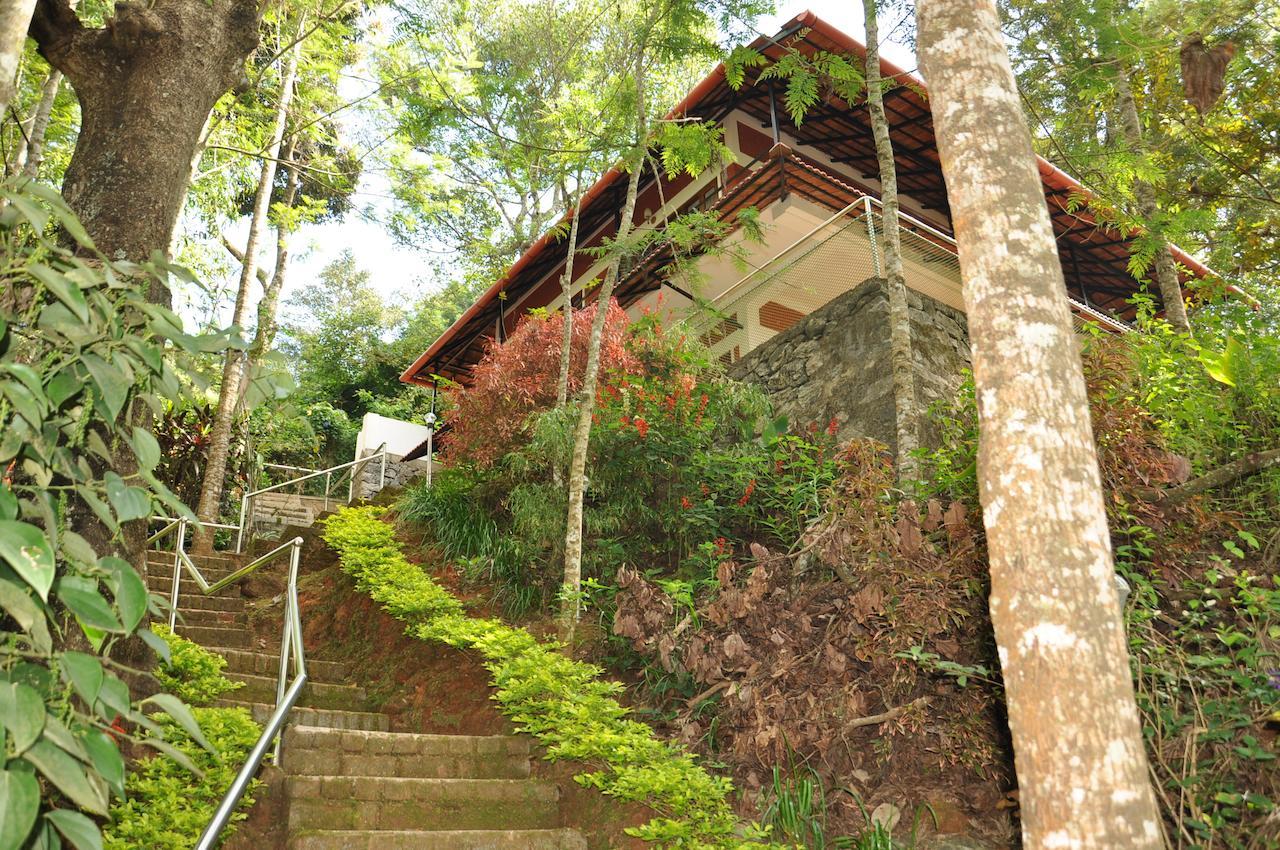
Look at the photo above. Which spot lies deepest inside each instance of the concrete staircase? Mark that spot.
(350, 783)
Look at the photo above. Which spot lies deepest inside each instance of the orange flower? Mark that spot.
(642, 426)
(746, 497)
(685, 503)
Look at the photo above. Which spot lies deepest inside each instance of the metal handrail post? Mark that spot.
(177, 574)
(382, 476)
(871, 236)
(288, 636)
(244, 506)
(328, 486)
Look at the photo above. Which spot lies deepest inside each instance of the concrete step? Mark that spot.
(209, 569)
(481, 839)
(222, 619)
(240, 660)
(211, 636)
(200, 602)
(316, 694)
(330, 751)
(385, 803)
(163, 585)
(331, 718)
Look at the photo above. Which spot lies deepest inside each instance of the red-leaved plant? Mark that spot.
(517, 379)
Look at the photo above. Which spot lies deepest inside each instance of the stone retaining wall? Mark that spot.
(835, 363)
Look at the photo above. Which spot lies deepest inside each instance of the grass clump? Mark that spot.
(564, 703)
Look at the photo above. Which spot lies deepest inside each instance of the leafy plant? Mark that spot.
(192, 673)
(562, 702)
(167, 806)
(84, 358)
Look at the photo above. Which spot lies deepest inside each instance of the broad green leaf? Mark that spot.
(19, 805)
(178, 710)
(22, 712)
(113, 700)
(106, 758)
(60, 736)
(112, 384)
(129, 502)
(65, 290)
(8, 503)
(130, 592)
(82, 597)
(84, 671)
(174, 753)
(23, 609)
(76, 828)
(145, 448)
(158, 644)
(26, 549)
(76, 548)
(68, 775)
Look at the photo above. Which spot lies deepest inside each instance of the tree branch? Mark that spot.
(1250, 464)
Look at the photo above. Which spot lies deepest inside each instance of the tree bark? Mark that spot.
(235, 365)
(1166, 271)
(264, 334)
(32, 153)
(15, 19)
(587, 397)
(1081, 766)
(146, 83)
(566, 292)
(907, 415)
(1250, 464)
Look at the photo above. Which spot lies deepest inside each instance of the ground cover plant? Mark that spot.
(169, 801)
(563, 703)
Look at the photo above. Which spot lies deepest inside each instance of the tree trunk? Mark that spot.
(234, 366)
(1081, 767)
(146, 83)
(33, 146)
(907, 416)
(566, 292)
(264, 334)
(15, 19)
(1166, 271)
(572, 586)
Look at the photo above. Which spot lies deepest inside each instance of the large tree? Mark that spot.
(1081, 767)
(146, 80)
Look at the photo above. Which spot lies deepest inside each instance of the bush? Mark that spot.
(193, 673)
(562, 702)
(517, 379)
(682, 460)
(168, 805)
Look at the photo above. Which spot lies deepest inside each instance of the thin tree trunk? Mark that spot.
(907, 416)
(15, 19)
(1081, 767)
(566, 291)
(234, 366)
(264, 334)
(587, 397)
(33, 145)
(1166, 271)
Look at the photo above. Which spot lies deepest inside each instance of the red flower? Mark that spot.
(706, 491)
(685, 503)
(624, 421)
(751, 488)
(642, 426)
(832, 426)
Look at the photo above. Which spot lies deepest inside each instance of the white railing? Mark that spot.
(819, 265)
(291, 649)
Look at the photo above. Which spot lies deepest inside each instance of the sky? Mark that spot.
(403, 274)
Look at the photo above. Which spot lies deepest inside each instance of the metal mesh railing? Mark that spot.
(828, 261)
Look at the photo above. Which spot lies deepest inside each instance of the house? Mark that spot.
(806, 317)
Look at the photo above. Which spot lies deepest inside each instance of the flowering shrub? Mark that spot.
(680, 457)
(517, 379)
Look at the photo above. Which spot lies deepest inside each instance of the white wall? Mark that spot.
(401, 437)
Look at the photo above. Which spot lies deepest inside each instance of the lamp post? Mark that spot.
(431, 429)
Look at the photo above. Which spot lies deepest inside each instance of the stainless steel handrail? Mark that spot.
(363, 462)
(291, 649)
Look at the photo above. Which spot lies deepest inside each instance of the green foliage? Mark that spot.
(681, 461)
(562, 702)
(84, 358)
(167, 805)
(192, 673)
